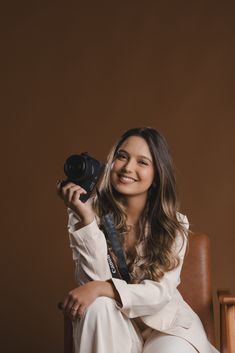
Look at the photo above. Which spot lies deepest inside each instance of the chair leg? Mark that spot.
(227, 321)
(230, 324)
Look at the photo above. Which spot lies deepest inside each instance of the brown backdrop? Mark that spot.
(73, 78)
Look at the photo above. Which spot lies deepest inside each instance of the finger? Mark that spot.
(65, 189)
(73, 317)
(77, 188)
(76, 194)
(81, 311)
(62, 186)
(68, 191)
(68, 184)
(58, 183)
(73, 194)
(73, 312)
(58, 187)
(65, 303)
(68, 303)
(71, 306)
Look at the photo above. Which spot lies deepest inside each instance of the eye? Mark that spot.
(121, 156)
(143, 162)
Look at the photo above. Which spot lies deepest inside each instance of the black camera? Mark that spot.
(83, 170)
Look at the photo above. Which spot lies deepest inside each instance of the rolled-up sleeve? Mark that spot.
(89, 249)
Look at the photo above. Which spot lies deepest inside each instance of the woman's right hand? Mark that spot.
(70, 194)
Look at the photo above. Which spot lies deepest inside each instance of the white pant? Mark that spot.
(104, 329)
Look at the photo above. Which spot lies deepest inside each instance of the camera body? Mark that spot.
(84, 171)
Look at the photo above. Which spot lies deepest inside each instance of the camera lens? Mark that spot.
(75, 166)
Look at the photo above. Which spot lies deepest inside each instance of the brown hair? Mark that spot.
(159, 224)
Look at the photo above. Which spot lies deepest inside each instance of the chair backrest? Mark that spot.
(195, 285)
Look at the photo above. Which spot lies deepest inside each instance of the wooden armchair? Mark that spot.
(196, 289)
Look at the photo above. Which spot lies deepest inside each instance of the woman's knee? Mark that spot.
(101, 308)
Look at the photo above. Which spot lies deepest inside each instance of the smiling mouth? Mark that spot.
(126, 179)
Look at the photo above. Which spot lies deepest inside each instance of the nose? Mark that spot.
(128, 166)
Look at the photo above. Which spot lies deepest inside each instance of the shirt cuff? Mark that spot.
(124, 293)
(73, 220)
(87, 230)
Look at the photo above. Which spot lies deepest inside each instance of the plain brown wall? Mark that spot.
(73, 78)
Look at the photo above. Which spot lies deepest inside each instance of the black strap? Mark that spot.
(111, 232)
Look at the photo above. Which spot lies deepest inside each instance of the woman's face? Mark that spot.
(132, 171)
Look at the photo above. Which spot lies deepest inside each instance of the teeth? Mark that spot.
(125, 178)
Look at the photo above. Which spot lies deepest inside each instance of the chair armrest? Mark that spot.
(68, 331)
(227, 299)
(227, 321)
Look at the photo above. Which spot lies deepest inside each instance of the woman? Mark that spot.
(148, 314)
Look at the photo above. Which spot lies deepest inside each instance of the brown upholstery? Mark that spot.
(195, 285)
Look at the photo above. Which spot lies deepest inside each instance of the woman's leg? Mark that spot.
(104, 329)
(159, 342)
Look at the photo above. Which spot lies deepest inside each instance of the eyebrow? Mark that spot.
(150, 160)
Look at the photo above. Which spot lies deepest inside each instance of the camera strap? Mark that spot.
(111, 233)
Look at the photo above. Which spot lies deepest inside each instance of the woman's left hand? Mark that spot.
(78, 299)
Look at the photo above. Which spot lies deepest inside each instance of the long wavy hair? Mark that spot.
(158, 225)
